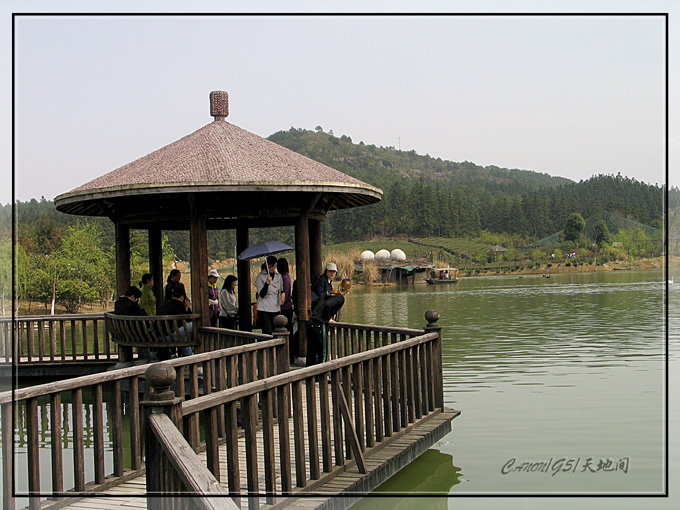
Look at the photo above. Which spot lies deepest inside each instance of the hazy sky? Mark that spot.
(571, 96)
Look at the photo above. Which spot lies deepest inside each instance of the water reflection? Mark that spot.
(433, 473)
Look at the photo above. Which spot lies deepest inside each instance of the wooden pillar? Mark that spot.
(198, 240)
(123, 277)
(122, 258)
(315, 251)
(432, 317)
(243, 283)
(161, 479)
(156, 262)
(304, 298)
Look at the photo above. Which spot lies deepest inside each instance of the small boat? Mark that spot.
(443, 275)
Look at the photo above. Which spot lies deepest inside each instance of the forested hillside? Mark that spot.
(425, 196)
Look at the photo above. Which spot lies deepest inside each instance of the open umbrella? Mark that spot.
(261, 249)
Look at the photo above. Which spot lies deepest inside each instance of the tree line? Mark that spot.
(425, 196)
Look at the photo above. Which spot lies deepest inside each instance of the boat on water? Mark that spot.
(443, 275)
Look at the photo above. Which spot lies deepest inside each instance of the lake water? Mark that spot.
(561, 382)
(562, 386)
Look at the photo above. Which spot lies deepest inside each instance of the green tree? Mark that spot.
(81, 272)
(602, 235)
(574, 227)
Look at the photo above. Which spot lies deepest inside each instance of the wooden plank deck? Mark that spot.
(344, 489)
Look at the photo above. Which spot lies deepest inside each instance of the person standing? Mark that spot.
(269, 287)
(287, 305)
(213, 297)
(148, 304)
(326, 307)
(173, 281)
(148, 299)
(228, 306)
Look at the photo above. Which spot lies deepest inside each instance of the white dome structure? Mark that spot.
(367, 255)
(397, 254)
(382, 255)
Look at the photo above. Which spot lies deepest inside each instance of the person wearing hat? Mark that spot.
(213, 297)
(326, 307)
(324, 283)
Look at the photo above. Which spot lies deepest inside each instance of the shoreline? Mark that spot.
(656, 263)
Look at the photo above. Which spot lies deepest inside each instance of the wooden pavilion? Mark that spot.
(220, 177)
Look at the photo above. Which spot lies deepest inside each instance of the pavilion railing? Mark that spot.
(54, 338)
(345, 339)
(340, 412)
(87, 415)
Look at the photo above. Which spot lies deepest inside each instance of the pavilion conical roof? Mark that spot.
(219, 157)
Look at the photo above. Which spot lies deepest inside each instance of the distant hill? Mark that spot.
(426, 196)
(381, 166)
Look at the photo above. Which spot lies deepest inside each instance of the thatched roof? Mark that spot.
(219, 157)
(498, 248)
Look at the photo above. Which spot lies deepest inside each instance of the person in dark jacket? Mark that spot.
(178, 304)
(173, 281)
(128, 303)
(324, 283)
(326, 307)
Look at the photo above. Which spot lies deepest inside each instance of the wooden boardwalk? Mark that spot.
(347, 487)
(271, 435)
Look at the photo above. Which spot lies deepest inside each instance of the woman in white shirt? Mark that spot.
(269, 286)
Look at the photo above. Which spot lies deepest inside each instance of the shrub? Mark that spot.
(370, 273)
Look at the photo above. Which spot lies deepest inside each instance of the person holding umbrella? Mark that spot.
(269, 286)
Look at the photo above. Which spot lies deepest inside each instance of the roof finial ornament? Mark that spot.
(219, 104)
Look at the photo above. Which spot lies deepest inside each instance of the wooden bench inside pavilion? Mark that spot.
(231, 426)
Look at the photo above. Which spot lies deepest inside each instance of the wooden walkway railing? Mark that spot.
(74, 412)
(341, 411)
(56, 338)
(298, 430)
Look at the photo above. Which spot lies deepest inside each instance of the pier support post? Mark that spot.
(123, 277)
(198, 238)
(432, 317)
(304, 300)
(243, 271)
(160, 476)
(156, 262)
(282, 354)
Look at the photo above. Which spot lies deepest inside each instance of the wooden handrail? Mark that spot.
(244, 390)
(379, 329)
(153, 318)
(188, 467)
(32, 432)
(124, 373)
(331, 417)
(52, 338)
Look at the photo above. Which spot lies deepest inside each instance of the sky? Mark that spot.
(570, 96)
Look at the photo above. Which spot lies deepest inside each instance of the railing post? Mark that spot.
(283, 351)
(160, 476)
(432, 316)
